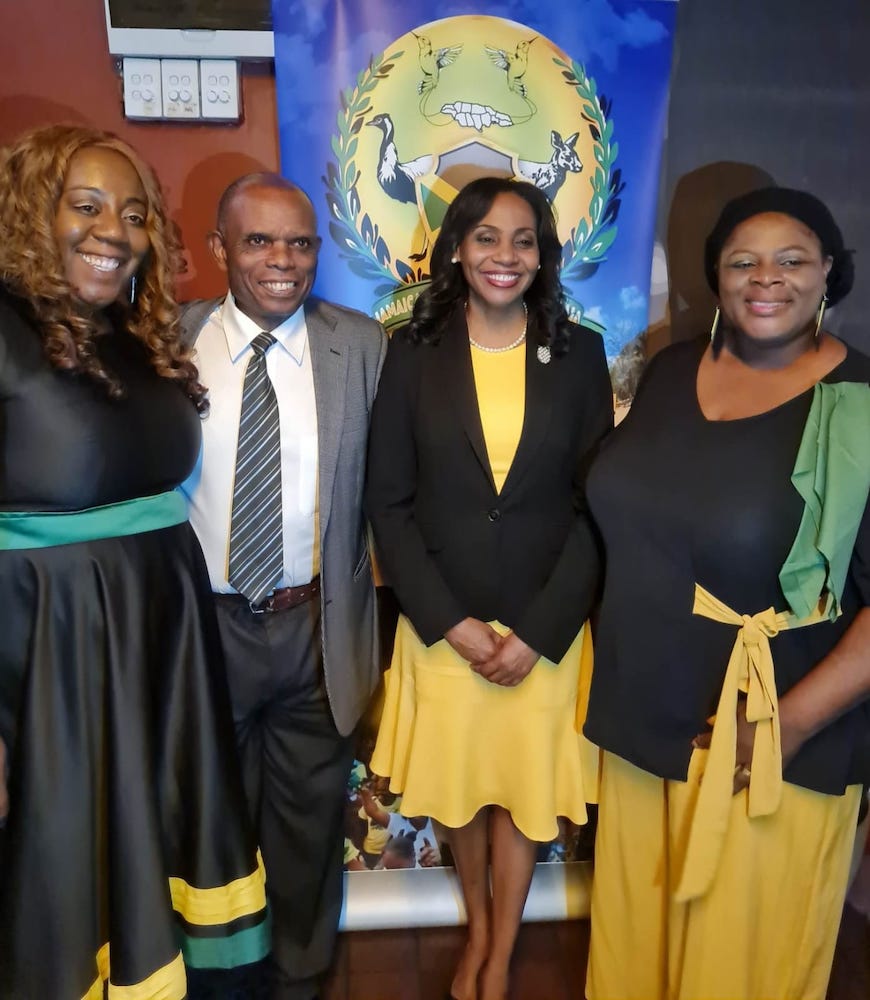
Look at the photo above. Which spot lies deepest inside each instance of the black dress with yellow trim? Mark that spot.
(453, 742)
(126, 852)
(737, 557)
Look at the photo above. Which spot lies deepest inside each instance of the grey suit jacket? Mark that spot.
(347, 353)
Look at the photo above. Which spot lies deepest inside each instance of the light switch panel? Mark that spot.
(142, 89)
(219, 87)
(180, 79)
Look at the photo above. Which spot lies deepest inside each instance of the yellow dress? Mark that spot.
(451, 741)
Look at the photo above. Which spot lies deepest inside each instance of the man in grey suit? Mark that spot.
(276, 500)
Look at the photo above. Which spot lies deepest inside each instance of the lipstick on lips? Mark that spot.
(763, 308)
(501, 279)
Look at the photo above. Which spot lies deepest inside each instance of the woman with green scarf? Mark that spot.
(732, 659)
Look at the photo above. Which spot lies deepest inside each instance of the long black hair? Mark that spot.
(548, 322)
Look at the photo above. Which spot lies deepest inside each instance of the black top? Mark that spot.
(681, 499)
(65, 445)
(451, 546)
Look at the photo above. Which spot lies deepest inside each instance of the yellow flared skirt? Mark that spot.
(452, 742)
(767, 926)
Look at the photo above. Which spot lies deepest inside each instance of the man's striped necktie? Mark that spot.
(256, 537)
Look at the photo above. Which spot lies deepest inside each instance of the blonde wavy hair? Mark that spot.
(32, 175)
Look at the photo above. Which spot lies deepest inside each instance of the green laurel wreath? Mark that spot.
(358, 238)
(589, 242)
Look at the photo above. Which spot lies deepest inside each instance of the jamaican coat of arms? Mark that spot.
(453, 100)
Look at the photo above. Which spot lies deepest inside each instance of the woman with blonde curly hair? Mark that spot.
(123, 854)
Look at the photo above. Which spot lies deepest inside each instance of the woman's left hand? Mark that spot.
(745, 745)
(511, 663)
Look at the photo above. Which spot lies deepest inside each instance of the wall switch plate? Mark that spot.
(180, 78)
(219, 85)
(142, 89)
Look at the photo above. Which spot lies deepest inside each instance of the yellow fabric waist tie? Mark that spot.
(750, 670)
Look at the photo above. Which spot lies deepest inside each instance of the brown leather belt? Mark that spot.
(288, 597)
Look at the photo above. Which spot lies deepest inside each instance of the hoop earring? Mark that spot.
(715, 327)
(823, 305)
(133, 290)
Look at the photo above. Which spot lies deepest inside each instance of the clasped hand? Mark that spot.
(504, 660)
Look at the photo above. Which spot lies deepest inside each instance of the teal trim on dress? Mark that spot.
(832, 474)
(44, 529)
(241, 948)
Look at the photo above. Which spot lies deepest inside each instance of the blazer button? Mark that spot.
(494, 514)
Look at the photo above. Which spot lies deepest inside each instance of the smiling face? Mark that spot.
(500, 256)
(100, 225)
(268, 247)
(772, 278)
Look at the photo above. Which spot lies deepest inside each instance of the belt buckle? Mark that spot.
(263, 608)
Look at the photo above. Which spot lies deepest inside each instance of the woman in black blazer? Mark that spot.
(489, 408)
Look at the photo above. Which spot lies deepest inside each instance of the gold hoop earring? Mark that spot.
(823, 305)
(715, 325)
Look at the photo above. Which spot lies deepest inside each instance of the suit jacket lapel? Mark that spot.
(536, 420)
(329, 359)
(192, 317)
(457, 377)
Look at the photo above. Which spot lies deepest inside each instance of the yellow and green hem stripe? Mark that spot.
(220, 928)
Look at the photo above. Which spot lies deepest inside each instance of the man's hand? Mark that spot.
(430, 857)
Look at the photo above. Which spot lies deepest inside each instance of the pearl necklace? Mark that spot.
(507, 347)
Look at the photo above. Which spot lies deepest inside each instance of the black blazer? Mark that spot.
(450, 546)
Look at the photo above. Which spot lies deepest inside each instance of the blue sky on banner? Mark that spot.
(623, 45)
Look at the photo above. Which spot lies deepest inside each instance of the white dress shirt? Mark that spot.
(223, 350)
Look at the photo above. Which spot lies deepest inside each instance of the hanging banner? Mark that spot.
(387, 110)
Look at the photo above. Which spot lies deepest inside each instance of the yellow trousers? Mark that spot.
(766, 927)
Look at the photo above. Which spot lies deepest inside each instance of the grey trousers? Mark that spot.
(295, 767)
